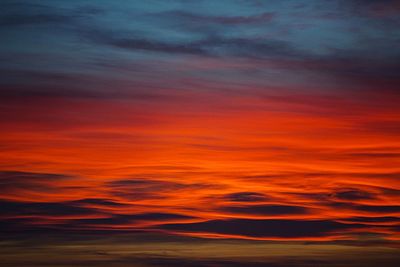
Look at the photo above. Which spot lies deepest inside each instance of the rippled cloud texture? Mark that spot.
(200, 133)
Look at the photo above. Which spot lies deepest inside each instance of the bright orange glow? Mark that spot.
(294, 153)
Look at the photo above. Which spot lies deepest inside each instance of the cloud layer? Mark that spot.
(201, 121)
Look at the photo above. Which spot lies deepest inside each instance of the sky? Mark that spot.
(200, 133)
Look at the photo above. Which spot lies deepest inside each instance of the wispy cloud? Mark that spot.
(266, 123)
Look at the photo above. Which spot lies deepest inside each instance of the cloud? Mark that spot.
(266, 210)
(384, 9)
(16, 181)
(97, 201)
(353, 194)
(213, 46)
(152, 45)
(21, 14)
(384, 219)
(53, 209)
(157, 216)
(378, 208)
(72, 84)
(118, 220)
(373, 209)
(196, 58)
(139, 189)
(245, 197)
(33, 14)
(188, 17)
(136, 189)
(265, 228)
(18, 20)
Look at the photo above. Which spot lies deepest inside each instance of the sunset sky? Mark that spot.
(200, 133)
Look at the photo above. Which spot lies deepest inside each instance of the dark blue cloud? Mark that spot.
(383, 219)
(13, 208)
(329, 42)
(266, 209)
(353, 194)
(96, 201)
(15, 20)
(373, 209)
(246, 197)
(188, 17)
(265, 228)
(123, 219)
(378, 208)
(13, 181)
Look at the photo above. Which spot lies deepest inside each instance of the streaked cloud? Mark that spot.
(155, 132)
